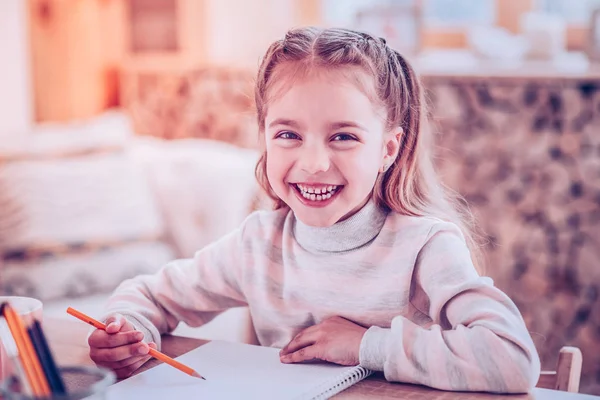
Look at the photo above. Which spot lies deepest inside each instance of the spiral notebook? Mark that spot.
(238, 371)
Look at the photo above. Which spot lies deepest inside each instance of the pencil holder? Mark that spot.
(81, 383)
(28, 309)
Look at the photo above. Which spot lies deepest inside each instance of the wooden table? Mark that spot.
(68, 339)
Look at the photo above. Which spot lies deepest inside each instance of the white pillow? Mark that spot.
(100, 198)
(205, 188)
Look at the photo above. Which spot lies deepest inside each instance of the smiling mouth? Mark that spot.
(317, 193)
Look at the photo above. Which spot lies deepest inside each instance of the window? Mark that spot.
(445, 22)
(459, 12)
(343, 12)
(574, 11)
(153, 25)
(435, 12)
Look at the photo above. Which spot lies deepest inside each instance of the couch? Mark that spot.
(87, 204)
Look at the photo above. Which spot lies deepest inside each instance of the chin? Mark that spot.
(317, 221)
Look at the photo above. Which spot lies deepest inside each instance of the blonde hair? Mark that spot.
(410, 186)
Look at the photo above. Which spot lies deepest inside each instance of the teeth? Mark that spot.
(317, 194)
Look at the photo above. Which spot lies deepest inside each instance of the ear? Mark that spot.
(391, 147)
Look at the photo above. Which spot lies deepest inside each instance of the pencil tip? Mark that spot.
(197, 375)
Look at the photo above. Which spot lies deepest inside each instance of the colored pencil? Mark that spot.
(154, 353)
(11, 351)
(31, 364)
(40, 345)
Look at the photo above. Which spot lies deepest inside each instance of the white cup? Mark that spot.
(28, 309)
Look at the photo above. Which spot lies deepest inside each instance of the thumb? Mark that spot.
(153, 345)
(114, 323)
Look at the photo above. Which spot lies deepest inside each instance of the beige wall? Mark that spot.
(15, 90)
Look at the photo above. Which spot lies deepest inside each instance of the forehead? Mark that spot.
(347, 90)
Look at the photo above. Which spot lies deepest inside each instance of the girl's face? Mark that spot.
(326, 144)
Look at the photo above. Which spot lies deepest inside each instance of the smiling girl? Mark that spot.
(364, 260)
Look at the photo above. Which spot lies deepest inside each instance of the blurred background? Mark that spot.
(128, 138)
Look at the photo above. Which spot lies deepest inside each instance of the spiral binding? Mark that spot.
(342, 382)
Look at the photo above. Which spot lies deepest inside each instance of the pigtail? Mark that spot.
(412, 186)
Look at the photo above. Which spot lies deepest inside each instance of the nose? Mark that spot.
(314, 159)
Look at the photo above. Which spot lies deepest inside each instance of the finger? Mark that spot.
(128, 370)
(101, 339)
(153, 345)
(127, 326)
(114, 365)
(114, 323)
(103, 355)
(309, 353)
(307, 337)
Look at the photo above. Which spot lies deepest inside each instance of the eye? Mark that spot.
(343, 137)
(287, 135)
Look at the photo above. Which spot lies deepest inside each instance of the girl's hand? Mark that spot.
(335, 340)
(120, 347)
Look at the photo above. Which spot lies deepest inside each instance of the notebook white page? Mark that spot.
(238, 371)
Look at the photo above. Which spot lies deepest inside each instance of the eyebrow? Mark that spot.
(333, 126)
(287, 122)
(346, 124)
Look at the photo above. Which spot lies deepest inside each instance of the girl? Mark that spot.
(364, 261)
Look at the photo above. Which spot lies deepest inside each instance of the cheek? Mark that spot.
(367, 161)
(361, 168)
(276, 167)
(271, 162)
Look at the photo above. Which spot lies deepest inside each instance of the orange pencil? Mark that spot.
(154, 353)
(31, 364)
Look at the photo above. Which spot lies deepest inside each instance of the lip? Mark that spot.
(314, 184)
(315, 203)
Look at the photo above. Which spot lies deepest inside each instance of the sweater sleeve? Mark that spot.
(190, 290)
(477, 339)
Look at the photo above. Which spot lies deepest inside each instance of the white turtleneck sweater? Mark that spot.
(432, 319)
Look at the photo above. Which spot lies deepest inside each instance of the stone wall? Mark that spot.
(525, 153)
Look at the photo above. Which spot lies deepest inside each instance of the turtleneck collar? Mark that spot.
(349, 234)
